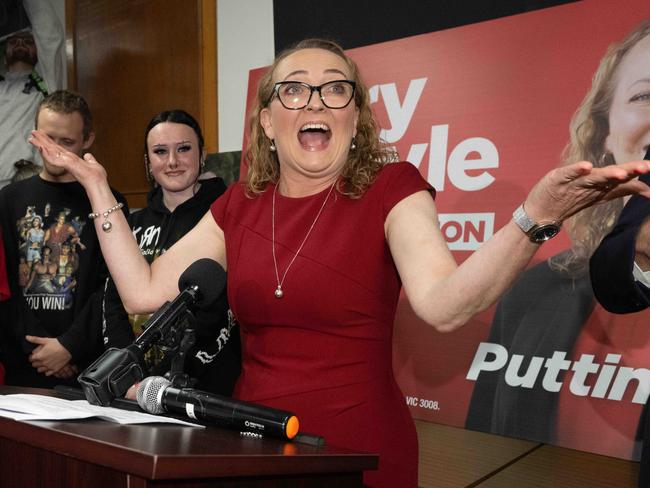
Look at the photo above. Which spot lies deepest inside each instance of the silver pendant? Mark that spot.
(107, 226)
(278, 292)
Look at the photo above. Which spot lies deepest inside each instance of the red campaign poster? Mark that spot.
(484, 111)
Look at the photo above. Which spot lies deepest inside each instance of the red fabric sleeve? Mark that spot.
(4, 283)
(401, 180)
(219, 207)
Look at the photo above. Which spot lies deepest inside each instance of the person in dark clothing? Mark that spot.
(51, 323)
(551, 307)
(179, 198)
(620, 266)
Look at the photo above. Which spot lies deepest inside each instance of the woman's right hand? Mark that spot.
(86, 170)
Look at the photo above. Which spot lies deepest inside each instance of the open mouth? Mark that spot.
(314, 136)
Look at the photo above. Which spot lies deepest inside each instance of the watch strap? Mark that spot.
(537, 232)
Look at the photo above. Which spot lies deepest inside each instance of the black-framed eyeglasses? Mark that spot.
(295, 95)
(26, 40)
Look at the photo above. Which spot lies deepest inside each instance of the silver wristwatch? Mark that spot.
(537, 232)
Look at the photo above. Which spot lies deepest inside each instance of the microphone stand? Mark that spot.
(116, 370)
(176, 373)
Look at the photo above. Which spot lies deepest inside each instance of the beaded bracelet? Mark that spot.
(106, 225)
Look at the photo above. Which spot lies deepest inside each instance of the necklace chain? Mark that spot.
(279, 293)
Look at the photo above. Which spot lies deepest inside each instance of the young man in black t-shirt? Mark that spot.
(51, 325)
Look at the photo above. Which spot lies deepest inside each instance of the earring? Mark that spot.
(147, 170)
(353, 145)
(272, 146)
(202, 164)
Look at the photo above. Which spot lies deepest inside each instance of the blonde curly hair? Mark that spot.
(363, 163)
(589, 129)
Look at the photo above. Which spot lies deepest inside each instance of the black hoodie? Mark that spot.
(215, 360)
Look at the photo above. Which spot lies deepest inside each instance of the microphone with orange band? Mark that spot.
(156, 395)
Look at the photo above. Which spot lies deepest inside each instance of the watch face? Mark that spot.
(544, 232)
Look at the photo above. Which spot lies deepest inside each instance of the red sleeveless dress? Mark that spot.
(324, 350)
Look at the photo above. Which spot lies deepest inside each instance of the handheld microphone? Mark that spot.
(156, 395)
(116, 370)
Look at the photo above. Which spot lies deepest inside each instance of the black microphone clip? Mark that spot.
(115, 371)
(112, 374)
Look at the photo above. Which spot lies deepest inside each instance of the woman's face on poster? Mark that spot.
(629, 116)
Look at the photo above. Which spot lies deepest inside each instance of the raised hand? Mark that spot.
(85, 170)
(569, 189)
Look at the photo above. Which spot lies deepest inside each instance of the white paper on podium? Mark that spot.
(40, 407)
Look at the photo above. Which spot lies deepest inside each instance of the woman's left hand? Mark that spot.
(566, 190)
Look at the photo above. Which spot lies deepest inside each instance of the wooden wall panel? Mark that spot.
(134, 58)
(209, 116)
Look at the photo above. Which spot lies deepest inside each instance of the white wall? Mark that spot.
(244, 41)
(59, 5)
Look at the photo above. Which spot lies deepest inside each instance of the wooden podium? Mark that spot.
(98, 454)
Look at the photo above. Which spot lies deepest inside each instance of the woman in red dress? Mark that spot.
(319, 240)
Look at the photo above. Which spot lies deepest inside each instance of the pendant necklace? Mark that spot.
(279, 293)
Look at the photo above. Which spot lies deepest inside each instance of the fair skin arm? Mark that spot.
(143, 288)
(446, 295)
(443, 294)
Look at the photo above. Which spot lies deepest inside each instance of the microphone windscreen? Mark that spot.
(208, 275)
(149, 394)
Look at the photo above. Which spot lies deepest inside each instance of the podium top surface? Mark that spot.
(167, 451)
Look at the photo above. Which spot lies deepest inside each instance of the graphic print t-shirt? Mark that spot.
(49, 245)
(51, 248)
